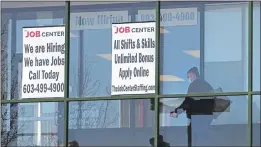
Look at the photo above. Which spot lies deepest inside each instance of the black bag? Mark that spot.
(152, 106)
(161, 141)
(221, 103)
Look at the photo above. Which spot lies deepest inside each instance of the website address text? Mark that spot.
(125, 88)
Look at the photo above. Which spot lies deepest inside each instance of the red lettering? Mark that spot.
(122, 30)
(127, 29)
(37, 33)
(32, 34)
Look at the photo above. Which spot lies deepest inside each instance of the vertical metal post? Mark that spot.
(250, 62)
(1, 74)
(157, 84)
(1, 60)
(66, 70)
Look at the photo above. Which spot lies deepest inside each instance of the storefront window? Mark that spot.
(90, 43)
(180, 44)
(34, 14)
(256, 120)
(228, 129)
(256, 47)
(28, 124)
(211, 39)
(225, 45)
(115, 122)
(90, 76)
(212, 43)
(256, 73)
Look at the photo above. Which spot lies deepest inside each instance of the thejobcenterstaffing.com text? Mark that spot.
(141, 87)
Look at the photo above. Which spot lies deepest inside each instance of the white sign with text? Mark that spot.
(43, 62)
(133, 58)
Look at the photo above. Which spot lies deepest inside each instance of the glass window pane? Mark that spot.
(19, 15)
(256, 120)
(226, 129)
(226, 45)
(111, 123)
(256, 47)
(90, 42)
(25, 125)
(180, 44)
(215, 44)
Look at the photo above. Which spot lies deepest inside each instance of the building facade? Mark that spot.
(222, 39)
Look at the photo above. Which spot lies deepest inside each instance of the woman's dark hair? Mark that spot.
(194, 70)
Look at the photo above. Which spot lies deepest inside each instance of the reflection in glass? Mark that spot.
(90, 43)
(256, 47)
(256, 120)
(228, 129)
(180, 44)
(215, 47)
(226, 46)
(16, 16)
(115, 122)
(29, 124)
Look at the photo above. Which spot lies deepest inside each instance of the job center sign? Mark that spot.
(43, 62)
(133, 58)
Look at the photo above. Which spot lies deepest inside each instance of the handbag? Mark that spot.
(152, 106)
(221, 103)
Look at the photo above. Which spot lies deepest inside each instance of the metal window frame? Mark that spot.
(157, 96)
(250, 68)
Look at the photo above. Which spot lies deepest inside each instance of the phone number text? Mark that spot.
(43, 87)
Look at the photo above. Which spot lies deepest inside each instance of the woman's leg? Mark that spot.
(200, 130)
(189, 135)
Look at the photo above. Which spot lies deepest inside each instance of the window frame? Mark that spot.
(155, 96)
